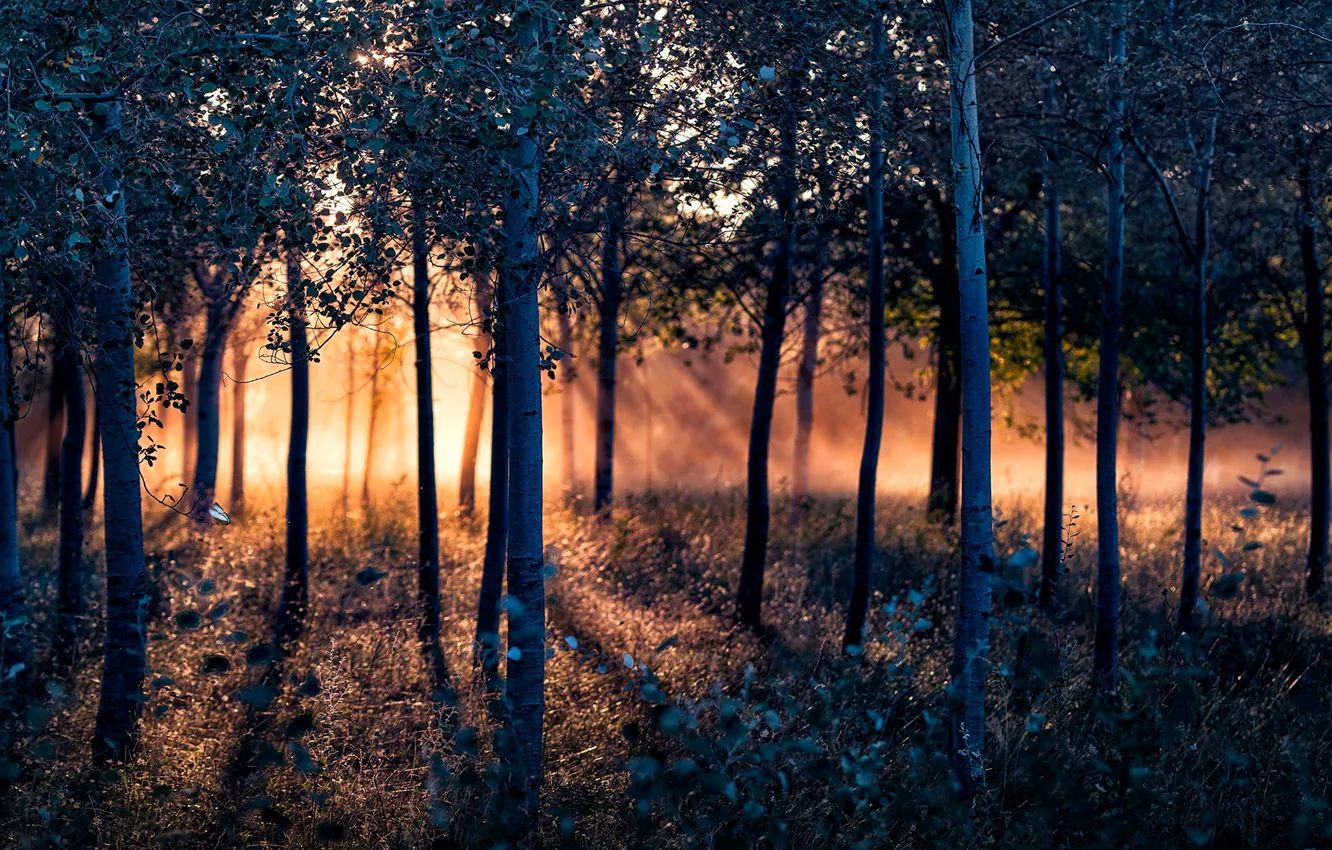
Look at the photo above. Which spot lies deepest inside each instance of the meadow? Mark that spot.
(667, 725)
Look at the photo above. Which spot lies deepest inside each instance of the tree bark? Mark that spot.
(608, 343)
(526, 666)
(208, 409)
(15, 640)
(497, 519)
(476, 411)
(1052, 271)
(190, 415)
(295, 580)
(70, 571)
(749, 596)
(1193, 501)
(869, 458)
(427, 494)
(55, 431)
(350, 424)
(1320, 489)
(1105, 650)
(238, 434)
(972, 639)
(947, 437)
(125, 647)
(806, 370)
(566, 376)
(371, 431)
(95, 458)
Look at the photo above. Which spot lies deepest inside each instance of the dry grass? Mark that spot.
(1225, 743)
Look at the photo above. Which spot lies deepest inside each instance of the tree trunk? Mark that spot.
(947, 438)
(295, 580)
(238, 434)
(70, 572)
(55, 431)
(497, 519)
(125, 647)
(1320, 492)
(566, 376)
(15, 641)
(608, 343)
(526, 667)
(95, 459)
(1193, 502)
(427, 495)
(371, 432)
(749, 598)
(208, 411)
(869, 458)
(1105, 651)
(350, 425)
(972, 639)
(476, 412)
(190, 416)
(806, 369)
(1052, 271)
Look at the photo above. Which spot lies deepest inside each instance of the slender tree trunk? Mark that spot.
(1105, 651)
(55, 431)
(608, 343)
(525, 683)
(12, 391)
(806, 369)
(1320, 491)
(70, 582)
(476, 412)
(295, 580)
(350, 426)
(190, 416)
(1052, 271)
(371, 432)
(95, 459)
(972, 639)
(947, 437)
(427, 494)
(749, 598)
(497, 519)
(566, 376)
(14, 632)
(238, 434)
(869, 458)
(208, 411)
(1193, 503)
(125, 647)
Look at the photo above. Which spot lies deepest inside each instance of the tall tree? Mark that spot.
(947, 439)
(749, 596)
(878, 372)
(476, 409)
(94, 459)
(497, 518)
(427, 495)
(296, 575)
(1052, 272)
(1315, 354)
(971, 644)
(240, 363)
(70, 571)
(1105, 650)
(14, 633)
(55, 430)
(610, 299)
(224, 295)
(125, 645)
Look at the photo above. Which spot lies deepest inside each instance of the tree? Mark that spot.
(116, 728)
(14, 632)
(869, 458)
(1052, 547)
(70, 569)
(971, 643)
(1105, 651)
(296, 576)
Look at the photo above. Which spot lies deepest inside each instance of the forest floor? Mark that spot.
(667, 726)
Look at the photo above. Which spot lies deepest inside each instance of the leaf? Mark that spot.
(1023, 558)
(1263, 497)
(922, 624)
(1227, 586)
(259, 696)
(189, 620)
(1252, 545)
(1249, 482)
(216, 664)
(219, 516)
(629, 661)
(668, 643)
(767, 73)
(369, 576)
(514, 654)
(310, 687)
(572, 641)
